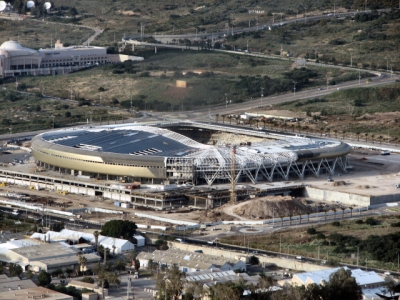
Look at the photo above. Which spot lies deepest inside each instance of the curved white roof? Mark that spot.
(15, 48)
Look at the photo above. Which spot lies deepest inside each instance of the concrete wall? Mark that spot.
(385, 199)
(345, 198)
(282, 263)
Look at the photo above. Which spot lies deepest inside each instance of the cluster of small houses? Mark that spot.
(208, 270)
(59, 250)
(52, 251)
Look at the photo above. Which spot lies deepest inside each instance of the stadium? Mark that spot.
(156, 154)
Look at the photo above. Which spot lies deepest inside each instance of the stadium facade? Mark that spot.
(154, 154)
(16, 60)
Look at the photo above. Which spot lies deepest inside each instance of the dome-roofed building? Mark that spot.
(16, 60)
(14, 57)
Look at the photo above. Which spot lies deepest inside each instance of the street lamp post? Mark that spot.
(10, 121)
(262, 94)
(273, 220)
(327, 81)
(226, 101)
(351, 59)
(294, 88)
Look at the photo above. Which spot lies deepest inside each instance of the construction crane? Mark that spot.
(233, 175)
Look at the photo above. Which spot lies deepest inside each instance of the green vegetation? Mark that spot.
(36, 34)
(43, 278)
(375, 238)
(358, 112)
(119, 229)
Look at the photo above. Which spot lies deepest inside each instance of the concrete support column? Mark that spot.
(73, 172)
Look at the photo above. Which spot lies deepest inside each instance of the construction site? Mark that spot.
(283, 176)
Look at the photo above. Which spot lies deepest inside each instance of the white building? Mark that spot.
(190, 261)
(16, 60)
(115, 245)
(140, 241)
(369, 282)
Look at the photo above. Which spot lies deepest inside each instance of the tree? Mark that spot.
(119, 229)
(82, 262)
(171, 284)
(225, 291)
(58, 226)
(342, 286)
(44, 278)
(96, 238)
(15, 270)
(120, 263)
(254, 260)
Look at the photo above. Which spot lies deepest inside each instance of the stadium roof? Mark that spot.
(133, 140)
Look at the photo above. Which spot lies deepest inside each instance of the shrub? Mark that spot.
(87, 279)
(395, 224)
(254, 260)
(320, 236)
(371, 221)
(311, 230)
(336, 223)
(359, 221)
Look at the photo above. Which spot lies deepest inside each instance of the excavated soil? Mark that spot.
(266, 207)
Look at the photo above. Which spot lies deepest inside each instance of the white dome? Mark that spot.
(11, 45)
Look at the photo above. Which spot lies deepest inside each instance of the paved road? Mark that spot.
(232, 31)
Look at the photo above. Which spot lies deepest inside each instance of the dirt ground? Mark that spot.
(267, 207)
